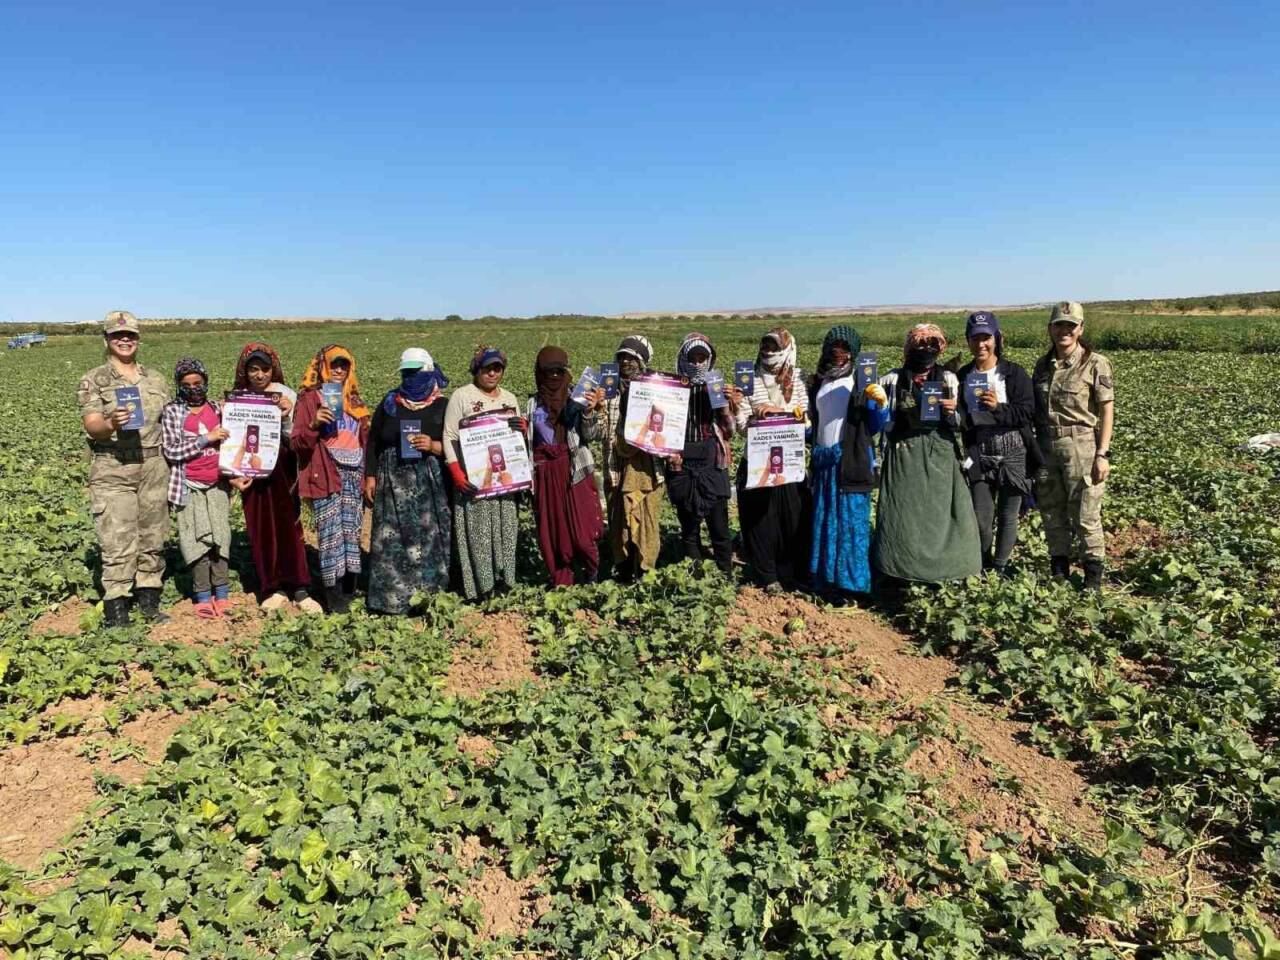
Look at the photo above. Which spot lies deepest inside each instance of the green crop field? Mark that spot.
(674, 769)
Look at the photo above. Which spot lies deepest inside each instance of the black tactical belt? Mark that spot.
(125, 455)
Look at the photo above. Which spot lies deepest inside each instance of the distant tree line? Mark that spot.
(1215, 303)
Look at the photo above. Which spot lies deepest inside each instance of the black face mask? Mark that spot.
(193, 396)
(920, 359)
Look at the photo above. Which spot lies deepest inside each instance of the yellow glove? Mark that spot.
(876, 392)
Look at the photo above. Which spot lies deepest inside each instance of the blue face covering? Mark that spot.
(416, 386)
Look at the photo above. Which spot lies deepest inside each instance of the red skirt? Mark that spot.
(271, 519)
(569, 520)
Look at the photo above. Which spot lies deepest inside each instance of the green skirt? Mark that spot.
(925, 526)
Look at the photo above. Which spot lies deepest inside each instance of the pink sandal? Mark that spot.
(221, 606)
(207, 611)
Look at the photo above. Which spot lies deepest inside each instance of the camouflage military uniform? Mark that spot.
(1069, 397)
(128, 482)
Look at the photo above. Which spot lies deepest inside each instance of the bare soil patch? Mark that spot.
(504, 657)
(243, 623)
(1138, 536)
(507, 907)
(478, 748)
(880, 663)
(62, 619)
(47, 787)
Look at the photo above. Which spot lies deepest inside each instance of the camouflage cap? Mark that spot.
(1067, 310)
(120, 321)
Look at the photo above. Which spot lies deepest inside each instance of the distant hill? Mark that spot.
(865, 310)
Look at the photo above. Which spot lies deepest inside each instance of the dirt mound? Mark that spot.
(507, 907)
(880, 663)
(243, 622)
(62, 619)
(504, 657)
(1138, 536)
(46, 788)
(478, 748)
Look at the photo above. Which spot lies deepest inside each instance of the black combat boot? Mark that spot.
(335, 598)
(1060, 567)
(1093, 574)
(149, 604)
(115, 612)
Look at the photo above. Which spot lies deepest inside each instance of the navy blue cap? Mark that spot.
(981, 322)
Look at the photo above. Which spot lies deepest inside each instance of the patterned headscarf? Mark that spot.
(635, 346)
(486, 354)
(262, 352)
(320, 370)
(780, 363)
(925, 335)
(696, 372)
(827, 367)
(192, 396)
(189, 365)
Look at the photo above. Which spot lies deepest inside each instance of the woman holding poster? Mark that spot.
(925, 527)
(564, 482)
(270, 503)
(775, 516)
(484, 527)
(191, 430)
(330, 430)
(845, 422)
(404, 482)
(633, 480)
(698, 474)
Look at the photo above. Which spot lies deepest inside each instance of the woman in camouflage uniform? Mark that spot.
(128, 476)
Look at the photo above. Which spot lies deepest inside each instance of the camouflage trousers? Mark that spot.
(131, 515)
(1070, 502)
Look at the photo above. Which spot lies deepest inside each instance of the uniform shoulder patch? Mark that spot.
(1104, 380)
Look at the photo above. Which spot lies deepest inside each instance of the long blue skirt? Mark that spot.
(841, 528)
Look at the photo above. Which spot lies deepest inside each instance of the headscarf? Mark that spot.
(418, 387)
(263, 353)
(827, 367)
(695, 372)
(191, 396)
(780, 364)
(553, 399)
(925, 343)
(320, 370)
(635, 346)
(486, 354)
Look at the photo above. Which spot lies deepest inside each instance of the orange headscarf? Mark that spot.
(321, 369)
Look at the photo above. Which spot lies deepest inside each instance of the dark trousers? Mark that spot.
(997, 509)
(209, 571)
(717, 527)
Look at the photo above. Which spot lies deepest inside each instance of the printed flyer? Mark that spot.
(657, 408)
(253, 422)
(494, 455)
(775, 452)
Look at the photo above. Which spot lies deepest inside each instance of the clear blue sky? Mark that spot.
(417, 159)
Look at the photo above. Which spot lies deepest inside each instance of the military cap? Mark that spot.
(120, 321)
(1067, 310)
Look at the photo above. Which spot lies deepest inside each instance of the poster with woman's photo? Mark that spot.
(494, 456)
(775, 452)
(252, 421)
(657, 408)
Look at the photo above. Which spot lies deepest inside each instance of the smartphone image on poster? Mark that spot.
(656, 419)
(776, 467)
(497, 459)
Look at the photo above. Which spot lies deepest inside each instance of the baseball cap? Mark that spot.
(1067, 310)
(981, 322)
(120, 321)
(415, 358)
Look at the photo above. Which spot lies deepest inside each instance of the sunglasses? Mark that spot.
(122, 336)
(344, 364)
(492, 368)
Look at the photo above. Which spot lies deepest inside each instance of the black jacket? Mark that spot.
(859, 472)
(1017, 413)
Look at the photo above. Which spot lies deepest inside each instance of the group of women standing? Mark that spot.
(950, 487)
